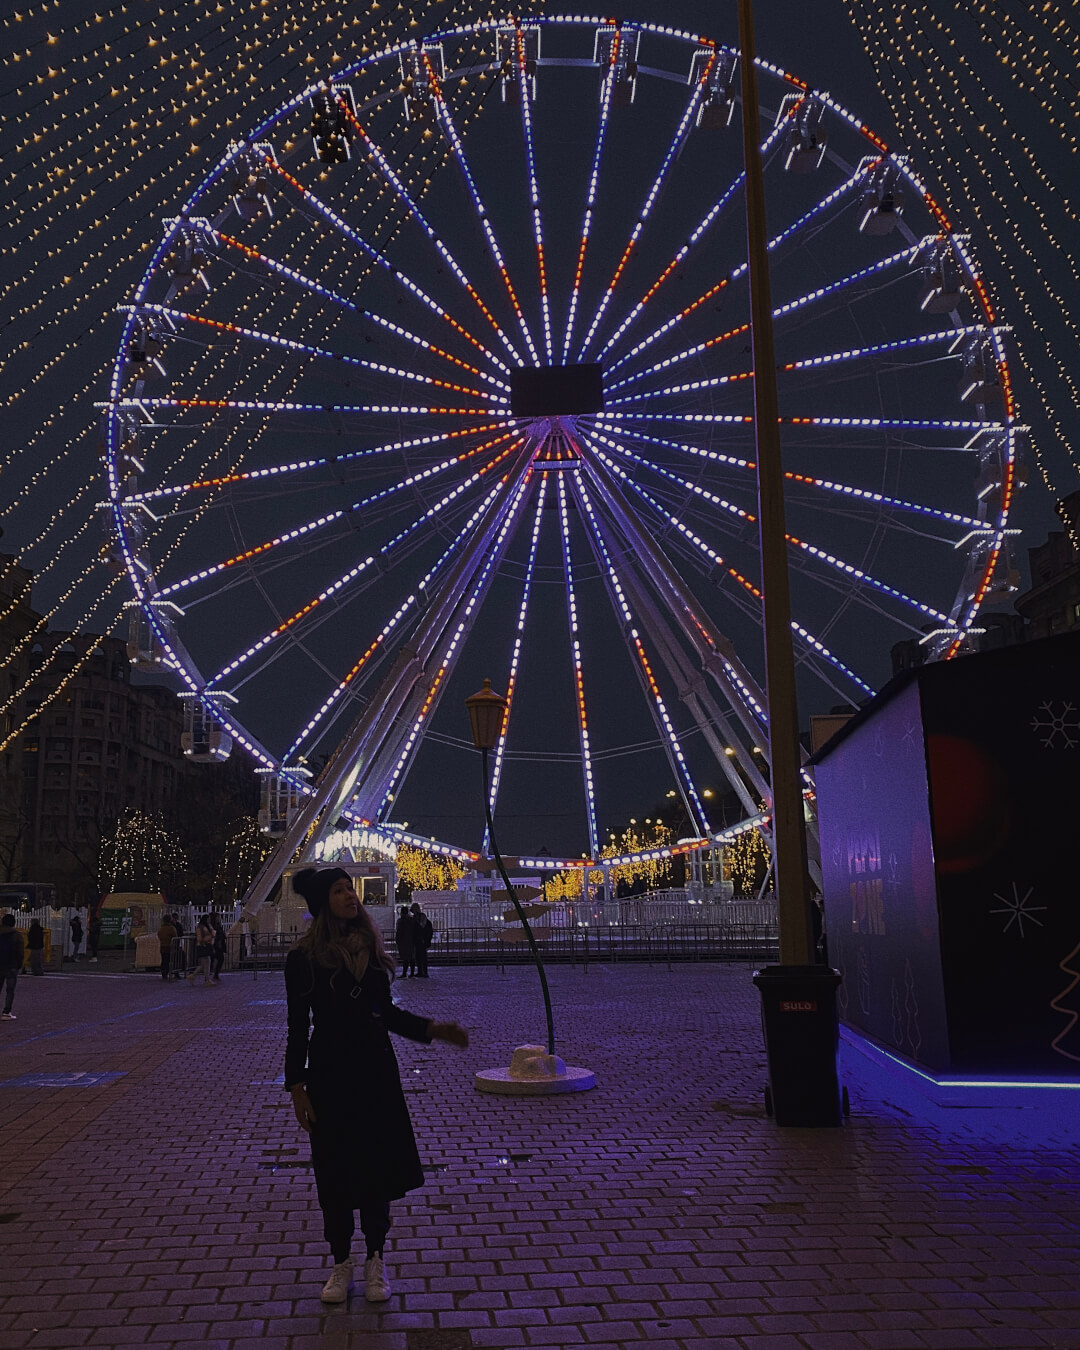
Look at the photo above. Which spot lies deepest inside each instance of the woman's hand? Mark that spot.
(449, 1032)
(305, 1115)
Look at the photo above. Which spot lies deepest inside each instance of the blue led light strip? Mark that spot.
(446, 121)
(700, 819)
(515, 659)
(388, 172)
(291, 274)
(736, 419)
(407, 605)
(649, 203)
(579, 677)
(287, 625)
(808, 480)
(288, 344)
(261, 550)
(590, 197)
(274, 406)
(534, 190)
(449, 656)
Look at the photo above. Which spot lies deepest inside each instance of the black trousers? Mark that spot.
(421, 959)
(166, 953)
(339, 1225)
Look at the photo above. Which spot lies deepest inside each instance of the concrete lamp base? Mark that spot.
(535, 1073)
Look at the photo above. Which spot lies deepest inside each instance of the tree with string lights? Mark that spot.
(141, 854)
(419, 870)
(245, 849)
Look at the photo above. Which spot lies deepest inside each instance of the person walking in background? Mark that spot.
(344, 1081)
(405, 938)
(76, 929)
(93, 936)
(422, 935)
(204, 951)
(165, 934)
(217, 960)
(11, 961)
(35, 947)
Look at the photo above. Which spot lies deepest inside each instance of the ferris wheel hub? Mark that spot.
(557, 391)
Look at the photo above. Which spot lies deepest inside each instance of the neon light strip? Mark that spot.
(534, 191)
(344, 580)
(258, 405)
(849, 569)
(272, 340)
(717, 561)
(824, 484)
(446, 665)
(708, 219)
(275, 470)
(590, 197)
(309, 526)
(579, 678)
(737, 272)
(289, 272)
(667, 727)
(729, 419)
(1040, 1084)
(515, 659)
(394, 621)
(392, 178)
(446, 120)
(650, 202)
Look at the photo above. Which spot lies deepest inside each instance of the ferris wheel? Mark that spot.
(443, 371)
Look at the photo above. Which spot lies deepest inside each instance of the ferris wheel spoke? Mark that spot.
(378, 644)
(446, 121)
(590, 196)
(386, 169)
(285, 406)
(819, 555)
(450, 655)
(276, 472)
(854, 423)
(308, 283)
(846, 490)
(651, 198)
(661, 717)
(784, 237)
(515, 656)
(715, 213)
(336, 587)
(534, 191)
(696, 546)
(289, 344)
(248, 556)
(579, 676)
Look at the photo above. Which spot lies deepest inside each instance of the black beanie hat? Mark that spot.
(314, 885)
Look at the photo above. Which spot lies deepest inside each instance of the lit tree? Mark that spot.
(418, 870)
(245, 850)
(646, 873)
(746, 862)
(141, 854)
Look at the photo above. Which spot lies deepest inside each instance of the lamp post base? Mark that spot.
(535, 1073)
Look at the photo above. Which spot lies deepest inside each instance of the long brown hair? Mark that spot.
(346, 944)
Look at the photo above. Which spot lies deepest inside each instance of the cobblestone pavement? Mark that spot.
(173, 1203)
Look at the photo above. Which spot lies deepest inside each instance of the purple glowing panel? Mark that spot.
(877, 865)
(557, 391)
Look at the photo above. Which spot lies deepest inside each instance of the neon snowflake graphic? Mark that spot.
(1018, 909)
(1054, 724)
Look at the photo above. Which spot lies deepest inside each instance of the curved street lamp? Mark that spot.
(487, 712)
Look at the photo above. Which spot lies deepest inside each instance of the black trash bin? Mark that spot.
(798, 1014)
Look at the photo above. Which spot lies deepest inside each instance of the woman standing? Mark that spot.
(204, 950)
(344, 1082)
(217, 961)
(35, 946)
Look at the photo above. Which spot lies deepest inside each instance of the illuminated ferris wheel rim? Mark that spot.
(147, 598)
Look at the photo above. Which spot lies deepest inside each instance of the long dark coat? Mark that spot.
(362, 1142)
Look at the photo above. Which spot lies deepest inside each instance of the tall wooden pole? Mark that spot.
(789, 830)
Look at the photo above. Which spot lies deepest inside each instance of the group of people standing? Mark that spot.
(210, 945)
(413, 935)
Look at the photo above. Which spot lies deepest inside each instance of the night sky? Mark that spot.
(128, 123)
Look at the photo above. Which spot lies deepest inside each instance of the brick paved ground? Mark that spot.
(661, 1209)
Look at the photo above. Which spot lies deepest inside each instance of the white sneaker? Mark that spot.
(7, 1017)
(376, 1285)
(336, 1288)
